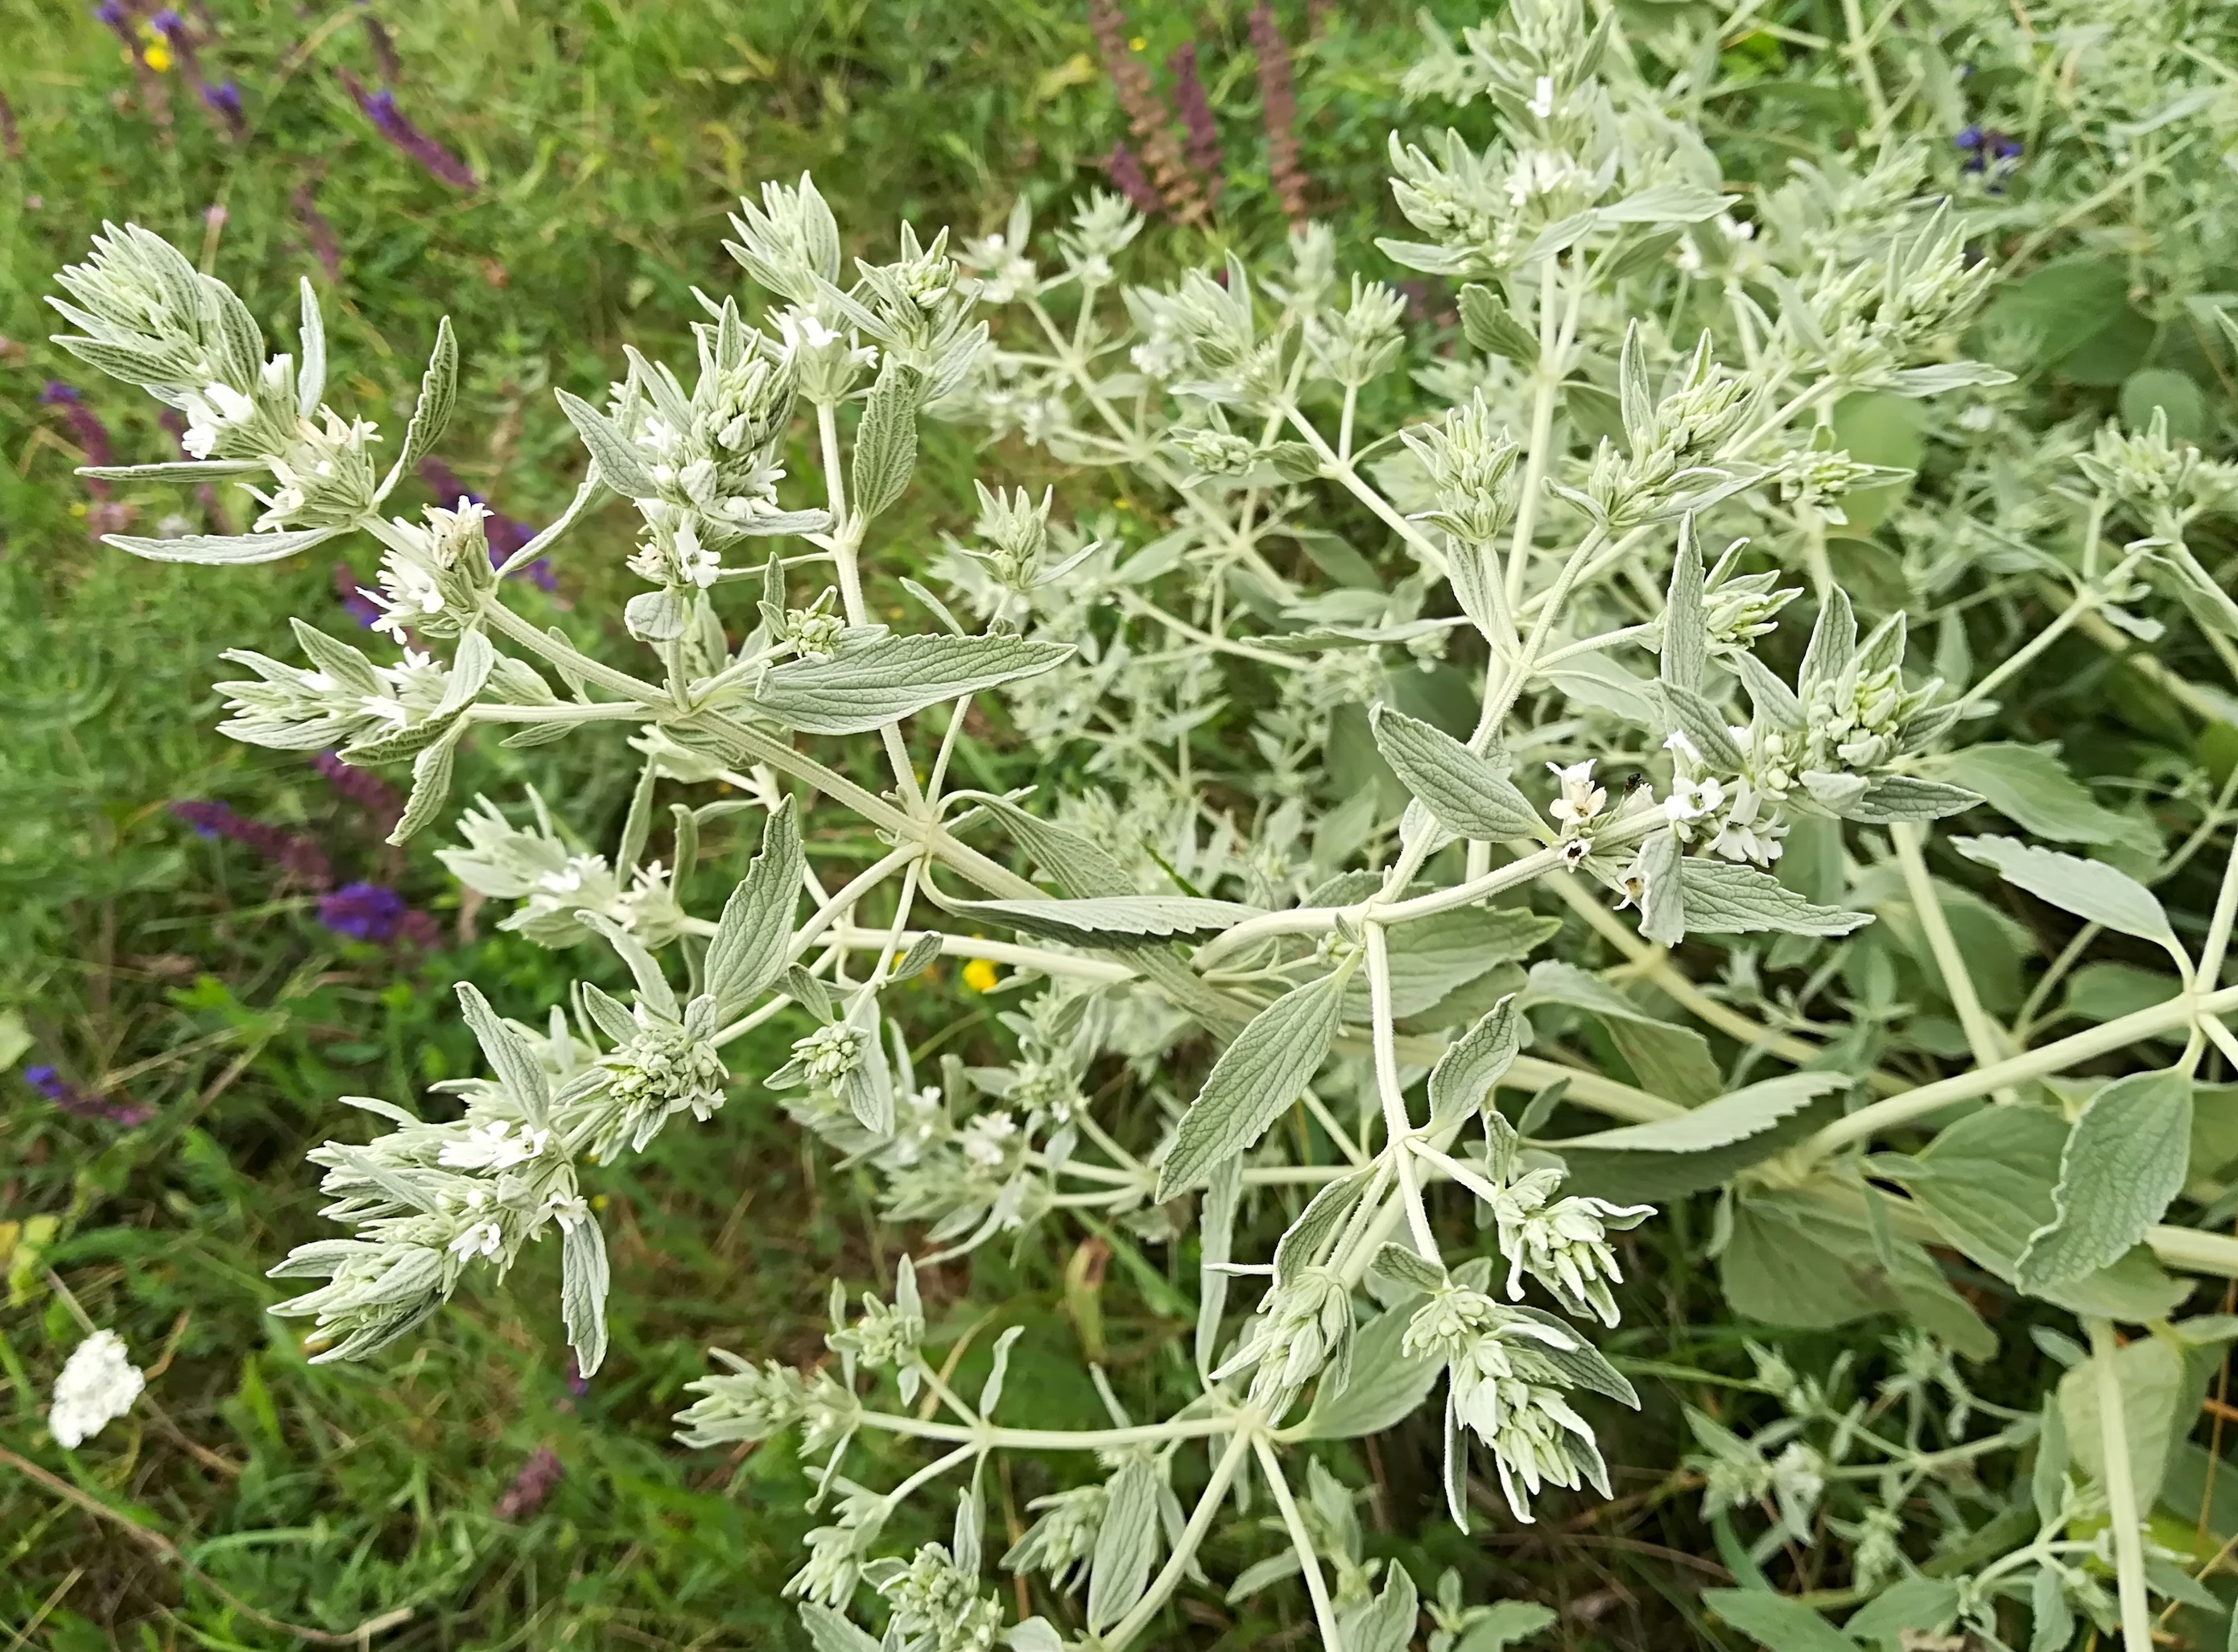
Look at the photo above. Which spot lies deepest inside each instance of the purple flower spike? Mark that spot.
(297, 856)
(71, 1099)
(169, 24)
(363, 911)
(118, 20)
(1126, 172)
(223, 100)
(390, 122)
(537, 1477)
(369, 791)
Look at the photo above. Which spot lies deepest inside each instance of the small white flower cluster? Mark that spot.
(97, 1385)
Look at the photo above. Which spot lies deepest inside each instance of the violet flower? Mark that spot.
(71, 1099)
(369, 791)
(223, 100)
(117, 19)
(536, 1481)
(92, 436)
(295, 855)
(1126, 173)
(354, 601)
(363, 911)
(1278, 105)
(1203, 147)
(390, 122)
(1987, 147)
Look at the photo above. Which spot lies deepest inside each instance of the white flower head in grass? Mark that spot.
(98, 1383)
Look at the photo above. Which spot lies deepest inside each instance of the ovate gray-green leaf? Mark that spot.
(1257, 1077)
(2123, 1162)
(1890, 798)
(1464, 1075)
(1467, 794)
(583, 1289)
(886, 442)
(1383, 1385)
(861, 688)
(439, 394)
(747, 952)
(1114, 919)
(1125, 1543)
(2089, 889)
(622, 466)
(1725, 898)
(228, 549)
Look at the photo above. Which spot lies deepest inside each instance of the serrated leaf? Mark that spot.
(181, 470)
(1464, 1077)
(2124, 1163)
(2089, 889)
(1791, 1260)
(1986, 1184)
(2032, 788)
(1487, 323)
(583, 1280)
(1685, 654)
(1704, 1147)
(1725, 898)
(1671, 1061)
(438, 394)
(1382, 1387)
(1890, 798)
(1125, 1543)
(1404, 1266)
(829, 1632)
(509, 1057)
(865, 688)
(1114, 919)
(226, 549)
(1255, 1080)
(1465, 793)
(1704, 725)
(748, 951)
(622, 466)
(431, 785)
(1432, 958)
(886, 442)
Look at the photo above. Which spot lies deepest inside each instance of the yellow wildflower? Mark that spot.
(979, 975)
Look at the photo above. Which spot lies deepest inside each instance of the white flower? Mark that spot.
(1581, 799)
(1690, 800)
(986, 1138)
(494, 1147)
(97, 1385)
(1542, 98)
(1677, 742)
(199, 440)
(478, 1239)
(693, 561)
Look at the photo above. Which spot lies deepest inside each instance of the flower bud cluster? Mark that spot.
(937, 1604)
(1304, 1324)
(1470, 461)
(1362, 343)
(555, 884)
(1014, 530)
(1562, 1243)
(663, 1066)
(1061, 1544)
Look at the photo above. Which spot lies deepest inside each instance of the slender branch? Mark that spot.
(1308, 1561)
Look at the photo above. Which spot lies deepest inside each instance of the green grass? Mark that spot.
(253, 1491)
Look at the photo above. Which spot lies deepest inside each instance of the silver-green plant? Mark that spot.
(1519, 611)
